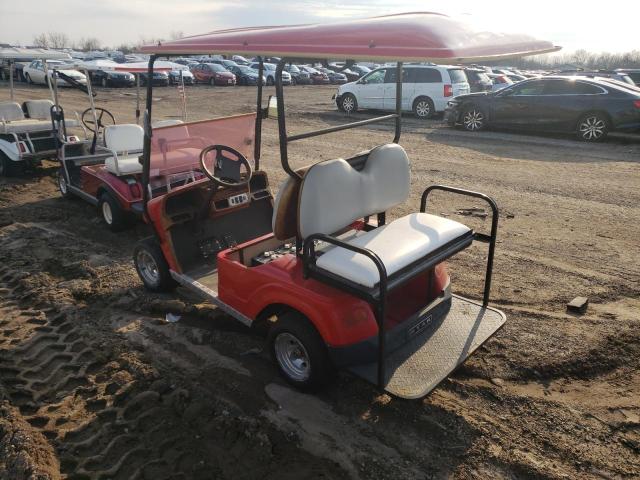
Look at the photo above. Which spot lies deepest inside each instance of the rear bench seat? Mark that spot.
(41, 110)
(333, 195)
(125, 142)
(12, 120)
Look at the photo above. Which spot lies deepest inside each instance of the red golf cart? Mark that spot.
(337, 284)
(106, 170)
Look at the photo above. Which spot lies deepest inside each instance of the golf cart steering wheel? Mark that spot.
(224, 170)
(90, 123)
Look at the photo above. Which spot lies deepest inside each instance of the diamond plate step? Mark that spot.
(420, 365)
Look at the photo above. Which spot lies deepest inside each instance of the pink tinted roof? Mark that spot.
(403, 37)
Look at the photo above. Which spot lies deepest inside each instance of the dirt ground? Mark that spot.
(95, 384)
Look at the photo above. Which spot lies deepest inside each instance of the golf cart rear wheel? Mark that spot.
(63, 186)
(152, 267)
(10, 168)
(298, 350)
(112, 213)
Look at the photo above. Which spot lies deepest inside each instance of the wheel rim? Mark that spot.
(592, 128)
(147, 267)
(107, 214)
(292, 357)
(62, 183)
(348, 104)
(473, 120)
(423, 109)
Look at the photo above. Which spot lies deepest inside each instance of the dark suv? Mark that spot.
(588, 107)
(478, 80)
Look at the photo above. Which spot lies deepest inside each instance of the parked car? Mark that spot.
(240, 60)
(109, 78)
(317, 77)
(633, 73)
(350, 74)
(425, 89)
(213, 74)
(499, 80)
(160, 79)
(246, 75)
(225, 63)
(613, 74)
(588, 107)
(360, 69)
(478, 80)
(34, 72)
(298, 77)
(270, 73)
(187, 76)
(336, 78)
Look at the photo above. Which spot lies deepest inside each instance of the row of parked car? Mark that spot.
(588, 104)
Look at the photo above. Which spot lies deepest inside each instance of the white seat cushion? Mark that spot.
(125, 165)
(39, 109)
(10, 111)
(398, 244)
(126, 137)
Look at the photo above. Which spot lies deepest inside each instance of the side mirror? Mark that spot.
(272, 108)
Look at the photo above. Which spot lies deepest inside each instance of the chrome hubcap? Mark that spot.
(106, 213)
(348, 104)
(423, 109)
(147, 267)
(473, 120)
(292, 357)
(592, 128)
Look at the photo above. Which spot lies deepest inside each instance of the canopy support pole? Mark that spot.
(257, 147)
(396, 138)
(137, 99)
(282, 127)
(146, 155)
(11, 67)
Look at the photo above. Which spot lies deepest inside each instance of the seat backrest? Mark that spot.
(124, 138)
(39, 109)
(285, 208)
(167, 123)
(333, 194)
(10, 111)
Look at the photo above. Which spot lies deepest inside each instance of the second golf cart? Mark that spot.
(338, 285)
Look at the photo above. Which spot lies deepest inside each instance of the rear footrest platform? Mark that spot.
(421, 364)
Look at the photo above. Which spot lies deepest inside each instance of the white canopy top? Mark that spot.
(33, 53)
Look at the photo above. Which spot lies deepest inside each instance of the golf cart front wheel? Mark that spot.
(152, 267)
(112, 213)
(298, 350)
(10, 168)
(63, 186)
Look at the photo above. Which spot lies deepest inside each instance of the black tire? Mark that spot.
(10, 168)
(293, 81)
(348, 103)
(423, 107)
(146, 253)
(212, 82)
(112, 213)
(592, 127)
(62, 185)
(473, 119)
(270, 81)
(27, 77)
(105, 82)
(293, 330)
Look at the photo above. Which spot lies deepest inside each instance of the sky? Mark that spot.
(573, 24)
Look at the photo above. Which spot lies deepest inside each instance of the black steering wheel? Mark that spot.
(223, 170)
(91, 124)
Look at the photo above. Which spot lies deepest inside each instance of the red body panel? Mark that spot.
(402, 37)
(95, 177)
(340, 318)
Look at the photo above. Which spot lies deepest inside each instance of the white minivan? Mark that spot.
(426, 89)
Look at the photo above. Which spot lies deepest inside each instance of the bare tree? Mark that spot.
(41, 41)
(88, 44)
(58, 40)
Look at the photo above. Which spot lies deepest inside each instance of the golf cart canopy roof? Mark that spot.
(404, 37)
(32, 53)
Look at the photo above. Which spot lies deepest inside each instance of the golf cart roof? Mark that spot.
(404, 37)
(32, 53)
